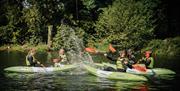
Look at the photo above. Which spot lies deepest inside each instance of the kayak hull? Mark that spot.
(154, 71)
(25, 69)
(114, 75)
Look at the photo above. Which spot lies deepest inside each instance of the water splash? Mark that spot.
(74, 47)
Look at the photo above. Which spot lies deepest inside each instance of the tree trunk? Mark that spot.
(49, 42)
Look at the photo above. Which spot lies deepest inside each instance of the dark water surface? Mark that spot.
(72, 81)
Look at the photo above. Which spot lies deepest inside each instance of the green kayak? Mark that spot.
(154, 71)
(114, 75)
(25, 69)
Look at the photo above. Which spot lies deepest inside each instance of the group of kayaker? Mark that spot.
(126, 59)
(31, 61)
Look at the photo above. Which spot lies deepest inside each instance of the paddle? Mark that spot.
(38, 62)
(90, 50)
(139, 67)
(44, 67)
(111, 48)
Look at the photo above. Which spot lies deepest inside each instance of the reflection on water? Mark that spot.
(73, 80)
(66, 82)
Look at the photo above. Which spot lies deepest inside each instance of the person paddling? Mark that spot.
(31, 60)
(112, 54)
(122, 61)
(62, 59)
(148, 60)
(131, 57)
(57, 62)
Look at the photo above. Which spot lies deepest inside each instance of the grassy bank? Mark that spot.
(26, 47)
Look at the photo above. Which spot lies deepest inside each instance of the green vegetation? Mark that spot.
(167, 47)
(136, 24)
(128, 22)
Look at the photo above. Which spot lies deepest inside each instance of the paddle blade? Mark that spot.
(91, 50)
(111, 48)
(139, 67)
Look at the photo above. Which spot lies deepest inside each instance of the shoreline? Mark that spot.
(40, 47)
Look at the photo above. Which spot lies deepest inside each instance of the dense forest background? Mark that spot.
(136, 24)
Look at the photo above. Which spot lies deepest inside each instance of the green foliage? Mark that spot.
(41, 47)
(90, 4)
(33, 19)
(167, 47)
(88, 14)
(51, 10)
(102, 45)
(6, 34)
(10, 28)
(128, 22)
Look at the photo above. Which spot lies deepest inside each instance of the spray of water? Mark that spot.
(75, 48)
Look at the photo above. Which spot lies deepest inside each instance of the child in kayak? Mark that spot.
(57, 63)
(62, 59)
(131, 57)
(31, 61)
(122, 61)
(148, 60)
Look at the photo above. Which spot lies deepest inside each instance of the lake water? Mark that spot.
(78, 81)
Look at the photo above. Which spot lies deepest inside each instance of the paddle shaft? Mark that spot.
(40, 63)
(44, 67)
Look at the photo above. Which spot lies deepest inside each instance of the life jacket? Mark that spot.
(30, 60)
(63, 58)
(149, 62)
(151, 65)
(120, 63)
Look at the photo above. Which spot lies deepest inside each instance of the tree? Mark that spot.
(128, 22)
(33, 19)
(10, 21)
